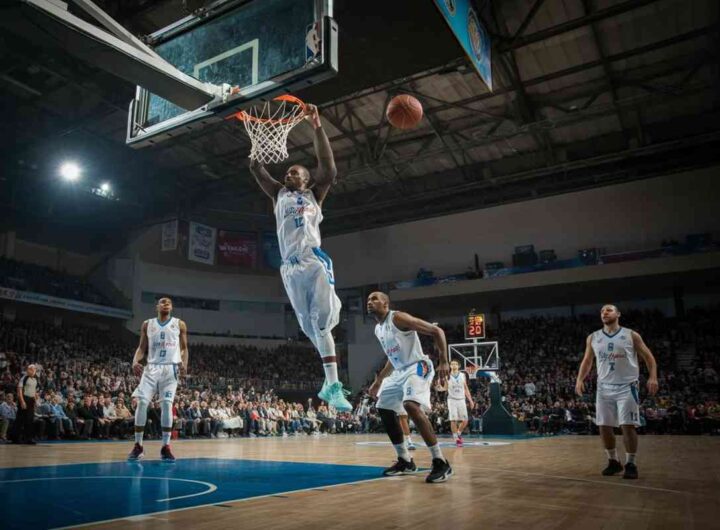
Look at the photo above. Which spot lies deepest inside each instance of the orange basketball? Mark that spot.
(404, 112)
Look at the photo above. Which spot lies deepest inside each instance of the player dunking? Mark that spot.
(458, 391)
(409, 374)
(307, 272)
(617, 402)
(164, 340)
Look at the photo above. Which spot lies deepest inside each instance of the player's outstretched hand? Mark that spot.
(137, 369)
(652, 386)
(579, 388)
(313, 115)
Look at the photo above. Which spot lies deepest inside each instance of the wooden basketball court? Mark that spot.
(539, 483)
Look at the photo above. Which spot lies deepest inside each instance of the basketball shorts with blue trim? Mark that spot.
(411, 383)
(160, 379)
(309, 281)
(617, 405)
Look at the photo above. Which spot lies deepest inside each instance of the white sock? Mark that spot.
(611, 454)
(408, 440)
(455, 436)
(331, 374)
(630, 458)
(402, 451)
(166, 437)
(139, 436)
(435, 451)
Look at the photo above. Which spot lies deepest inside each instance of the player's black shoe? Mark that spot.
(612, 468)
(401, 467)
(441, 471)
(166, 454)
(137, 453)
(631, 471)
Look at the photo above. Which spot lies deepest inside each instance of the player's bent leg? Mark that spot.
(404, 463)
(441, 469)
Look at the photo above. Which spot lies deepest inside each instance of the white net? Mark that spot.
(268, 126)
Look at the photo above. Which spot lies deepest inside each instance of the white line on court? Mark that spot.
(211, 487)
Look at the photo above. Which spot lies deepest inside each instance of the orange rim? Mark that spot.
(244, 116)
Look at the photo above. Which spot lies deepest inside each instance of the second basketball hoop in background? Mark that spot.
(404, 112)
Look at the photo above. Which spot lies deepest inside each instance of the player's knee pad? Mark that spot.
(166, 416)
(141, 412)
(392, 425)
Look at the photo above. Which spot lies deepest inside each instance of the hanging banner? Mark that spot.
(201, 247)
(271, 250)
(238, 249)
(470, 33)
(169, 237)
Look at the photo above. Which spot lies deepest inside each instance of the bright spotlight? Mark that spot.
(70, 171)
(105, 187)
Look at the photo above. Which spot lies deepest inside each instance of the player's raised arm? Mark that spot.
(324, 175)
(407, 322)
(649, 360)
(585, 367)
(269, 185)
(141, 350)
(184, 354)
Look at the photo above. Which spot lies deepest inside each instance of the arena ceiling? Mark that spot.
(587, 93)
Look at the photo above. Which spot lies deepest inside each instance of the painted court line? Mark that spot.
(244, 499)
(211, 487)
(576, 479)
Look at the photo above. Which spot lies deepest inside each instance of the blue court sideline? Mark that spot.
(66, 495)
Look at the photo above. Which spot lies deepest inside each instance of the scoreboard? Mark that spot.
(474, 326)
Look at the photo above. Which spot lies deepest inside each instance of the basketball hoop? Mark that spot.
(471, 370)
(268, 126)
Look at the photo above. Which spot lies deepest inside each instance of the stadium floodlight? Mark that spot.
(105, 188)
(70, 171)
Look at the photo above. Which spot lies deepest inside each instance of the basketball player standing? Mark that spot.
(617, 403)
(458, 391)
(405, 380)
(307, 271)
(164, 340)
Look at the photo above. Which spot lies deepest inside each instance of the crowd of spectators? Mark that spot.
(38, 279)
(86, 381)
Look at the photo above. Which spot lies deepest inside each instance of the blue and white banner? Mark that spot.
(201, 247)
(63, 303)
(470, 33)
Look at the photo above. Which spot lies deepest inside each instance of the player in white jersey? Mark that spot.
(405, 381)
(307, 271)
(458, 391)
(164, 341)
(617, 402)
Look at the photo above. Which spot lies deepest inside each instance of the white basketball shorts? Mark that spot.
(310, 284)
(160, 379)
(617, 405)
(411, 383)
(457, 410)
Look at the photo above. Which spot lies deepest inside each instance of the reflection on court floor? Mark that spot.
(69, 495)
(442, 444)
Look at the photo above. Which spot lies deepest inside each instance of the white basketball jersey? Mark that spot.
(402, 348)
(615, 355)
(163, 341)
(298, 216)
(456, 386)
